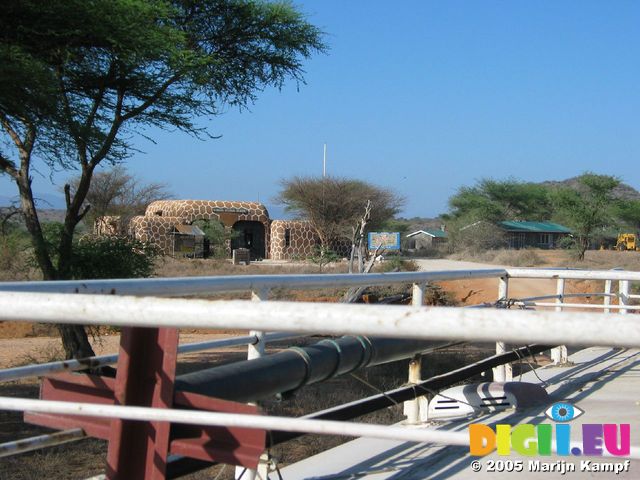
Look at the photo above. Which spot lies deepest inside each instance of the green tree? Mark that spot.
(628, 211)
(497, 200)
(587, 209)
(218, 235)
(79, 78)
(335, 205)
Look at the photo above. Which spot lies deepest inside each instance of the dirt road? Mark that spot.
(470, 292)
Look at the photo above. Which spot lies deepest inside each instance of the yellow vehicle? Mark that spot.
(627, 241)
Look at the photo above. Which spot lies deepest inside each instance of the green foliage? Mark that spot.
(218, 236)
(588, 209)
(14, 246)
(112, 257)
(104, 257)
(87, 69)
(323, 256)
(78, 80)
(497, 200)
(628, 211)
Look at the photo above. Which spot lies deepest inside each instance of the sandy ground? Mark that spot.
(474, 291)
(23, 351)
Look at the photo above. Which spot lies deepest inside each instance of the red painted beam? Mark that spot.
(145, 377)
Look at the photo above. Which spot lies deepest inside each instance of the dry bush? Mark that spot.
(518, 258)
(514, 258)
(67, 462)
(172, 267)
(51, 352)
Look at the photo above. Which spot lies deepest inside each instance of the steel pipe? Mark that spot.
(206, 285)
(287, 371)
(586, 306)
(200, 417)
(41, 441)
(569, 274)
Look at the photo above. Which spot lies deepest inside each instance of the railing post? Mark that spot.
(417, 294)
(412, 407)
(559, 354)
(502, 373)
(256, 350)
(623, 295)
(607, 295)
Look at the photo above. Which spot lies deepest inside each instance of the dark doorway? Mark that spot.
(249, 235)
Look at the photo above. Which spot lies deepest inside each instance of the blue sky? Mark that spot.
(424, 97)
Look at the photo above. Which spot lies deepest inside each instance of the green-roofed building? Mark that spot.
(533, 234)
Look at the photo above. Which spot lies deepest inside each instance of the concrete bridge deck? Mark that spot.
(603, 382)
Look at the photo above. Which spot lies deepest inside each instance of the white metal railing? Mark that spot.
(429, 323)
(125, 303)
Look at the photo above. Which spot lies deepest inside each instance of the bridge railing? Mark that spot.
(135, 303)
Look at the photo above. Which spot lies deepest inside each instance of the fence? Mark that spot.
(135, 303)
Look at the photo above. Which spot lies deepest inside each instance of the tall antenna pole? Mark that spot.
(324, 162)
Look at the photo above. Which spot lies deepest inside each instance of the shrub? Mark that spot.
(15, 247)
(112, 257)
(104, 256)
(323, 256)
(397, 264)
(518, 258)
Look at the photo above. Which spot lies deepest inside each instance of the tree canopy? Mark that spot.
(117, 192)
(588, 208)
(79, 79)
(497, 200)
(334, 205)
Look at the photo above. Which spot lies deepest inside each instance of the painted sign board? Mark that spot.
(384, 240)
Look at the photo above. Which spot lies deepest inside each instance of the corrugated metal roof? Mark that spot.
(534, 227)
(432, 233)
(189, 230)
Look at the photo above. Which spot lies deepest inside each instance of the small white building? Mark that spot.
(426, 239)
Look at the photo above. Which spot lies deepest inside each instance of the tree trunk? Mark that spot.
(74, 337)
(75, 341)
(34, 228)
(351, 257)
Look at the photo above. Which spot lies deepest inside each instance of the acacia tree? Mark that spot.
(78, 79)
(496, 200)
(116, 192)
(628, 211)
(588, 208)
(334, 205)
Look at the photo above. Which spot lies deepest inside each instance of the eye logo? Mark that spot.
(563, 412)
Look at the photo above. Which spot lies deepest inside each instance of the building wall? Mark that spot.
(156, 230)
(284, 239)
(109, 226)
(291, 239)
(519, 240)
(226, 212)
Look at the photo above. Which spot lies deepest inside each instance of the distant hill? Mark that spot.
(46, 214)
(45, 200)
(622, 191)
(420, 223)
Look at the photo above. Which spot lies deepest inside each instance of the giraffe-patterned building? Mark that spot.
(292, 239)
(265, 238)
